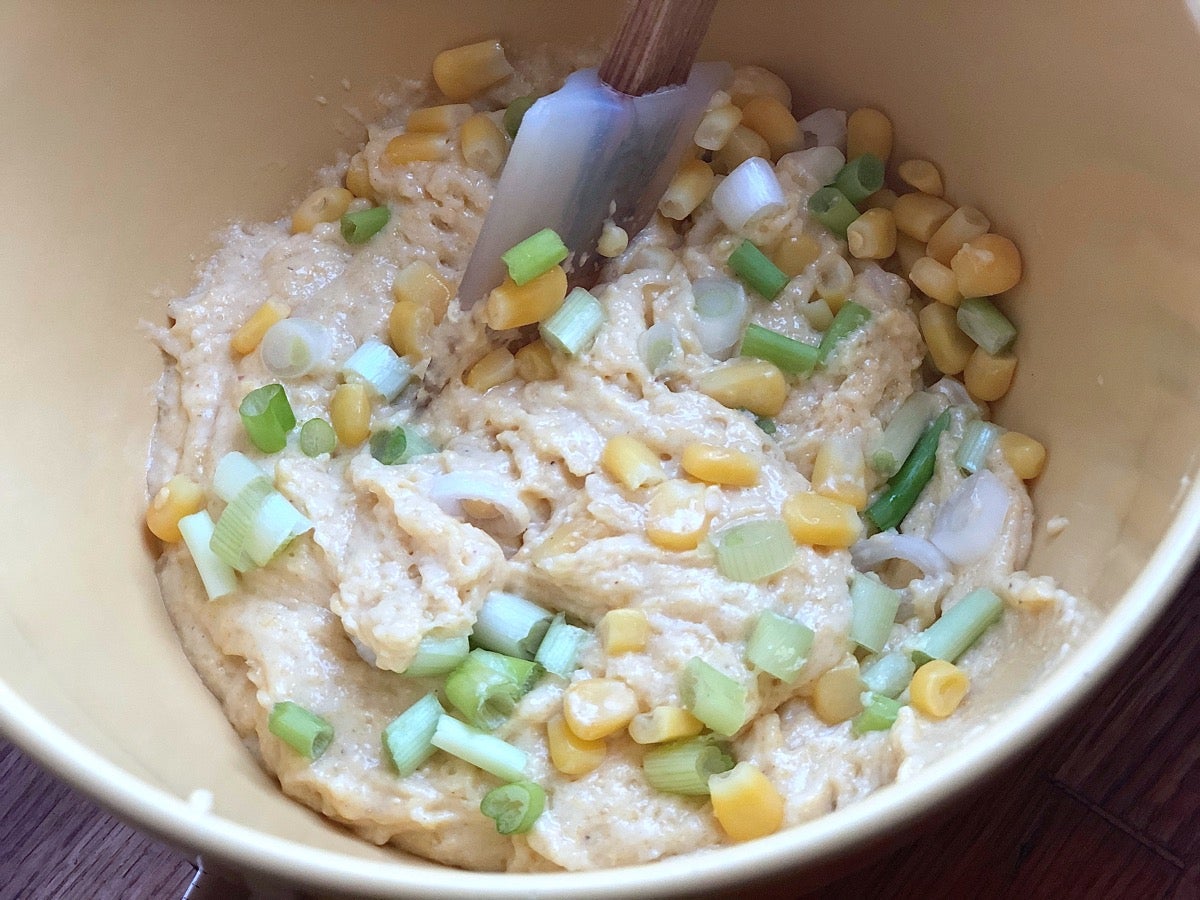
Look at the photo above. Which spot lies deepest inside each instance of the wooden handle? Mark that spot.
(656, 45)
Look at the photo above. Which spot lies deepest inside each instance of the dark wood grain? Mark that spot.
(1108, 805)
(656, 45)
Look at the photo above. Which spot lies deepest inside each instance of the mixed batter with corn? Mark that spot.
(715, 547)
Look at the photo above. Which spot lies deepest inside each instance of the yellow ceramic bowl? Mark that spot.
(134, 130)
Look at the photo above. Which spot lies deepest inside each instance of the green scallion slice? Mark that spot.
(234, 471)
(890, 508)
(274, 526)
(985, 325)
(524, 672)
(380, 368)
(767, 425)
(359, 227)
(874, 606)
(489, 753)
(752, 551)
(514, 807)
(779, 645)
(438, 656)
(574, 325)
(515, 113)
(305, 732)
(848, 320)
(792, 356)
(268, 417)
(218, 577)
(860, 178)
(559, 650)
(408, 740)
(713, 697)
(888, 674)
(684, 767)
(395, 446)
(317, 438)
(751, 265)
(979, 437)
(958, 628)
(485, 687)
(833, 209)
(878, 714)
(534, 256)
(510, 624)
(903, 431)
(235, 523)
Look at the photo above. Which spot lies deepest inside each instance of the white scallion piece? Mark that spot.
(748, 192)
(510, 624)
(490, 504)
(559, 650)
(218, 577)
(821, 164)
(438, 656)
(376, 365)
(879, 548)
(236, 522)
(294, 347)
(969, 523)
(235, 471)
(826, 127)
(903, 431)
(275, 525)
(575, 324)
(657, 344)
(491, 754)
(720, 305)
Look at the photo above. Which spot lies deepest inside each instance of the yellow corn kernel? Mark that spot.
(872, 235)
(745, 803)
(325, 204)
(921, 175)
(350, 413)
(514, 306)
(836, 696)
(720, 465)
(409, 325)
(463, 72)
(937, 688)
(743, 143)
(884, 198)
(775, 123)
(662, 724)
(687, 190)
(820, 521)
(535, 362)
(965, 224)
(989, 264)
(754, 81)
(438, 119)
(717, 125)
(1026, 456)
(834, 280)
(420, 283)
(937, 281)
(613, 240)
(494, 368)
(948, 345)
(677, 515)
(177, 498)
(247, 338)
(989, 377)
(358, 178)
(623, 631)
(908, 251)
(920, 215)
(840, 471)
(597, 707)
(483, 144)
(631, 462)
(868, 131)
(795, 253)
(745, 383)
(571, 754)
(416, 147)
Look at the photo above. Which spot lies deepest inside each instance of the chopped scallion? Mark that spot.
(574, 325)
(903, 431)
(378, 366)
(767, 425)
(860, 178)
(849, 319)
(234, 471)
(305, 732)
(657, 344)
(483, 750)
(268, 417)
(217, 576)
(515, 113)
(560, 647)
(275, 523)
(833, 209)
(751, 265)
(874, 606)
(779, 645)
(958, 628)
(752, 551)
(510, 624)
(514, 807)
(985, 325)
(317, 438)
(395, 446)
(359, 227)
(903, 488)
(438, 656)
(235, 523)
(720, 306)
(293, 347)
(684, 767)
(792, 356)
(888, 674)
(979, 437)
(485, 687)
(407, 741)
(534, 256)
(713, 697)
(878, 714)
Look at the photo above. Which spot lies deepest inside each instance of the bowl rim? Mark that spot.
(171, 818)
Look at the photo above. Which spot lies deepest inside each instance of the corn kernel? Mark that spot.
(247, 338)
(494, 368)
(840, 471)
(613, 240)
(438, 119)
(908, 251)
(350, 413)
(416, 147)
(921, 175)
(677, 515)
(920, 215)
(179, 497)
(755, 81)
(868, 131)
(795, 253)
(463, 72)
(937, 281)
(989, 264)
(420, 283)
(745, 383)
(597, 707)
(884, 198)
(989, 377)
(715, 128)
(409, 325)
(720, 465)
(514, 306)
(965, 224)
(662, 724)
(872, 235)
(834, 280)
(358, 178)
(1026, 456)
(949, 347)
(775, 123)
(325, 204)
(937, 688)
(631, 463)
(483, 144)
(821, 521)
(535, 362)
(745, 803)
(623, 631)
(571, 754)
(837, 693)
(687, 190)
(742, 144)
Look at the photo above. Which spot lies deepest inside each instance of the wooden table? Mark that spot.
(1107, 806)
